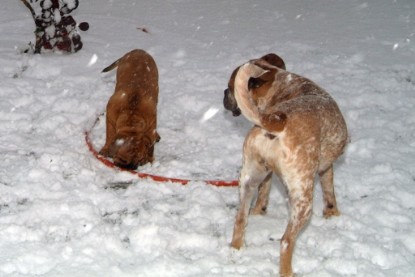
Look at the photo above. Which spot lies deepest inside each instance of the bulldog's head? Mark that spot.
(229, 101)
(129, 152)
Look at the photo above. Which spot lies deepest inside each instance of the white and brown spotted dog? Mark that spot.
(299, 132)
(131, 119)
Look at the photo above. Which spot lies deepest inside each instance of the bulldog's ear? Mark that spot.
(254, 83)
(251, 75)
(257, 82)
(274, 60)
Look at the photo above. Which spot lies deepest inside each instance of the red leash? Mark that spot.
(218, 183)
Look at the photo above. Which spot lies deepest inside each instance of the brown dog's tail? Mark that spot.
(111, 66)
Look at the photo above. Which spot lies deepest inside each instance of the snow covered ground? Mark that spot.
(64, 213)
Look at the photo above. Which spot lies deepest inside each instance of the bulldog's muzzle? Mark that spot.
(229, 102)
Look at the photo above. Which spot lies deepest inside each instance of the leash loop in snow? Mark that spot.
(157, 178)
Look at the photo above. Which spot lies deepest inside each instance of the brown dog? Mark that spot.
(132, 111)
(299, 133)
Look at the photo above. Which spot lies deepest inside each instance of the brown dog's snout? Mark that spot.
(128, 166)
(124, 163)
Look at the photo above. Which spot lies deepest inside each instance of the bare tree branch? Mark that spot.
(30, 8)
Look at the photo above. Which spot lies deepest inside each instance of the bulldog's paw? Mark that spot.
(330, 211)
(259, 210)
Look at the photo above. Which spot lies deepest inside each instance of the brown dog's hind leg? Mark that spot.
(261, 204)
(249, 181)
(329, 198)
(301, 199)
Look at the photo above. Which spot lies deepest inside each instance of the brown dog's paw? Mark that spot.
(104, 152)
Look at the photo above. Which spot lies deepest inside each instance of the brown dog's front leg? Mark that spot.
(109, 138)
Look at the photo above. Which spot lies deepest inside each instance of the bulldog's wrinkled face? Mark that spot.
(131, 152)
(229, 101)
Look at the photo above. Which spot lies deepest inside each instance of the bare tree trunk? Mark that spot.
(38, 43)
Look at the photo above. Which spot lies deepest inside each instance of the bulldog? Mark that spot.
(131, 114)
(299, 132)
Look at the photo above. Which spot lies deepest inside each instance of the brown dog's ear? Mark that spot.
(158, 138)
(274, 60)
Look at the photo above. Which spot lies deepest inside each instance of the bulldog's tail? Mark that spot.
(111, 66)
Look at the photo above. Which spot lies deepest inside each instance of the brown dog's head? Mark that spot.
(129, 152)
(229, 101)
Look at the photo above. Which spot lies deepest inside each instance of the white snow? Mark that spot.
(64, 213)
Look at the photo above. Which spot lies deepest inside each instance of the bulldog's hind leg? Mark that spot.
(261, 204)
(301, 198)
(329, 198)
(252, 175)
